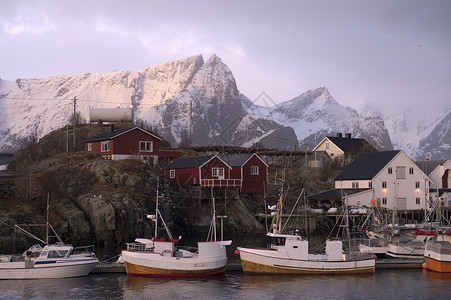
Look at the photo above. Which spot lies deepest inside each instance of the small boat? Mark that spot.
(160, 257)
(51, 261)
(398, 248)
(437, 254)
(290, 255)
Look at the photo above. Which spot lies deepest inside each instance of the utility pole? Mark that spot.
(190, 121)
(75, 105)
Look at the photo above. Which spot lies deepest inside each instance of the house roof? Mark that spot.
(109, 135)
(337, 194)
(429, 166)
(367, 165)
(231, 160)
(350, 144)
(238, 160)
(190, 162)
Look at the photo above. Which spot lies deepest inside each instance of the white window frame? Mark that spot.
(384, 184)
(217, 172)
(254, 170)
(384, 201)
(145, 146)
(171, 173)
(418, 200)
(89, 147)
(105, 146)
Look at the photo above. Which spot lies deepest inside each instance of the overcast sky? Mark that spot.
(380, 52)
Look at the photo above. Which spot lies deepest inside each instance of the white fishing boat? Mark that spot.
(51, 261)
(290, 255)
(162, 257)
(437, 254)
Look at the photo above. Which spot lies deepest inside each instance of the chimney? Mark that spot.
(347, 135)
(339, 135)
(111, 127)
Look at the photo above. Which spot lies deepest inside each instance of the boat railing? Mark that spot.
(139, 247)
(87, 251)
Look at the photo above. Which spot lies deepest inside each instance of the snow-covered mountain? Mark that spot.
(171, 96)
(159, 95)
(315, 114)
(418, 134)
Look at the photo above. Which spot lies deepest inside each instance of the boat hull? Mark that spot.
(405, 251)
(155, 265)
(264, 263)
(437, 256)
(18, 270)
(139, 270)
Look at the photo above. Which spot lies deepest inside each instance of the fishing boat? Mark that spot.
(56, 260)
(161, 257)
(289, 254)
(437, 254)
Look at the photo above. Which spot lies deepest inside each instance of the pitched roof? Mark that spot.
(367, 165)
(335, 194)
(232, 160)
(190, 162)
(108, 135)
(350, 144)
(236, 160)
(429, 166)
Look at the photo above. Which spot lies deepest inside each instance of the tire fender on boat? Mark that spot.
(167, 251)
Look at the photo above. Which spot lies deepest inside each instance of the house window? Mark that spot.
(355, 185)
(332, 155)
(327, 146)
(411, 171)
(145, 146)
(89, 147)
(172, 173)
(215, 172)
(400, 172)
(417, 201)
(390, 170)
(384, 184)
(105, 146)
(254, 170)
(384, 201)
(370, 184)
(417, 185)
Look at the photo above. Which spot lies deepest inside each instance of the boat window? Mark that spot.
(44, 253)
(280, 241)
(57, 253)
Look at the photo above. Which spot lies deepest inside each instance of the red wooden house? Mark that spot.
(245, 171)
(123, 143)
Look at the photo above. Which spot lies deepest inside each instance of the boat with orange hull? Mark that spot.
(289, 254)
(437, 256)
(160, 257)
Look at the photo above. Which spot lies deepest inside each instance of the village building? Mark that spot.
(247, 172)
(439, 171)
(387, 179)
(344, 149)
(126, 143)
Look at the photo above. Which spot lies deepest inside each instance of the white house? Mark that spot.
(439, 171)
(346, 148)
(388, 179)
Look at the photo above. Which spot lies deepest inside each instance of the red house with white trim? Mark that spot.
(124, 143)
(245, 171)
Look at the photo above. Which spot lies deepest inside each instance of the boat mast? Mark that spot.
(348, 233)
(47, 224)
(156, 210)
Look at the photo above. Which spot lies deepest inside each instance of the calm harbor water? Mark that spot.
(383, 284)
